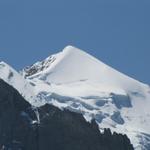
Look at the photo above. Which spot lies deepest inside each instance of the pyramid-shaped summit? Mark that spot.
(73, 65)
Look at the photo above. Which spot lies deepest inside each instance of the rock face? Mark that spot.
(23, 127)
(16, 120)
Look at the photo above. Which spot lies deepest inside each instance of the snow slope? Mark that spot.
(78, 65)
(77, 81)
(11, 76)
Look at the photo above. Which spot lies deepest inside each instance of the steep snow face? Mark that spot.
(12, 77)
(73, 65)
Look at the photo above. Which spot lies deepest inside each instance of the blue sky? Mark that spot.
(115, 31)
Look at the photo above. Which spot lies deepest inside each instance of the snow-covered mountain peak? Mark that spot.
(2, 62)
(72, 49)
(11, 76)
(75, 80)
(48, 63)
(6, 71)
(5, 65)
(74, 65)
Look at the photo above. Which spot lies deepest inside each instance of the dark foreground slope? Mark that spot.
(23, 127)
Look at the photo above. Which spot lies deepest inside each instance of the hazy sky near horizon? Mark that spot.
(115, 31)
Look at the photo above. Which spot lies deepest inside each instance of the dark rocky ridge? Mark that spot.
(20, 128)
